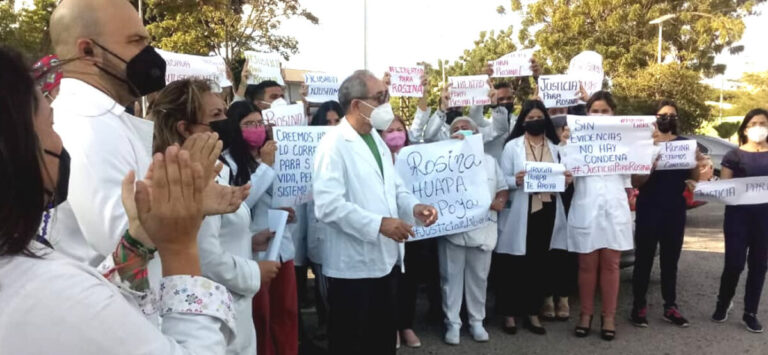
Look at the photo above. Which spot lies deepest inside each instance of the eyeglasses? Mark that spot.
(665, 117)
(252, 124)
(381, 98)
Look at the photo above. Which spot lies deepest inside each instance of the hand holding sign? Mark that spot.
(425, 214)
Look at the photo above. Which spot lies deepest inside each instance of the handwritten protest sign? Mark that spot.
(605, 145)
(544, 177)
(469, 90)
(513, 64)
(181, 66)
(676, 155)
(406, 81)
(263, 66)
(739, 191)
(450, 176)
(286, 115)
(295, 155)
(322, 87)
(587, 67)
(559, 90)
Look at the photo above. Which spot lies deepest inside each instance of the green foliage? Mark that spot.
(727, 129)
(224, 27)
(27, 29)
(620, 31)
(638, 93)
(754, 95)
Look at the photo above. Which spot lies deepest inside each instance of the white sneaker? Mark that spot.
(478, 333)
(452, 335)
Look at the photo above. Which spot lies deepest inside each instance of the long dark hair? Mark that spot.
(320, 118)
(528, 106)
(22, 193)
(743, 128)
(232, 137)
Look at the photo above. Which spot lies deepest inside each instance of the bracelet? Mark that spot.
(137, 246)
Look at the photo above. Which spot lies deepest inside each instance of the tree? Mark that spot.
(224, 27)
(726, 130)
(638, 93)
(619, 30)
(27, 29)
(754, 95)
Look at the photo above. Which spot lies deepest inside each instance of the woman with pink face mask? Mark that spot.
(418, 263)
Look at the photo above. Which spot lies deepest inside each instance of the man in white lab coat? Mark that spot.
(360, 197)
(108, 65)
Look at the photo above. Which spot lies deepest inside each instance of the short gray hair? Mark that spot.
(354, 87)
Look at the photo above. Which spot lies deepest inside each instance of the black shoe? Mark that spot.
(672, 315)
(583, 332)
(753, 325)
(639, 318)
(534, 329)
(721, 312)
(507, 329)
(606, 334)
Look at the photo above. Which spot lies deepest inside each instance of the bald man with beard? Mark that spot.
(107, 65)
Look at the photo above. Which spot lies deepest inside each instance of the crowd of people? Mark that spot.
(122, 234)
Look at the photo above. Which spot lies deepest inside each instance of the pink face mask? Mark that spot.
(395, 140)
(255, 136)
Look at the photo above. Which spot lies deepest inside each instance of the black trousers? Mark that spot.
(421, 266)
(362, 315)
(662, 224)
(746, 242)
(562, 273)
(522, 285)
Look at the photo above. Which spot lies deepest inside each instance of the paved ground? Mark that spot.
(698, 279)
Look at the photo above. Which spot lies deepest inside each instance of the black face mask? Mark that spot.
(451, 115)
(144, 73)
(666, 126)
(62, 186)
(510, 107)
(535, 127)
(219, 127)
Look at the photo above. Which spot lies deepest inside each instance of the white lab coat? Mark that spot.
(105, 143)
(56, 305)
(513, 222)
(351, 197)
(317, 233)
(226, 257)
(599, 216)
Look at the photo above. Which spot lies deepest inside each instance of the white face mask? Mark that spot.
(279, 102)
(381, 116)
(757, 134)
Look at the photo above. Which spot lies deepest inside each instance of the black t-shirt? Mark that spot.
(664, 186)
(746, 164)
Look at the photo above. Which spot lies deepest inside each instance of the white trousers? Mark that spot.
(464, 271)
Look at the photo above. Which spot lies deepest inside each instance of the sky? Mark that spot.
(409, 31)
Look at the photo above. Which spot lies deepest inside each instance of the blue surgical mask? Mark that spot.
(466, 133)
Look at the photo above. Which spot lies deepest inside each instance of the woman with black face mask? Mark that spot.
(660, 219)
(532, 223)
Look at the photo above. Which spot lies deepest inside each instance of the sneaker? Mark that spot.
(721, 312)
(753, 325)
(452, 335)
(672, 315)
(478, 333)
(639, 318)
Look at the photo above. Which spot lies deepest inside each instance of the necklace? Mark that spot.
(533, 152)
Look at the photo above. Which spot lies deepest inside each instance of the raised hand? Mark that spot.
(172, 211)
(445, 97)
(267, 152)
(129, 204)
